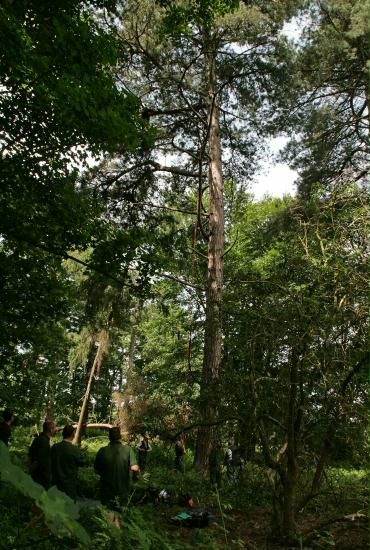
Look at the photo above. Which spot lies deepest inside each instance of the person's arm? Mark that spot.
(80, 457)
(133, 462)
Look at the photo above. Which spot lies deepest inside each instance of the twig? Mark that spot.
(222, 517)
(181, 281)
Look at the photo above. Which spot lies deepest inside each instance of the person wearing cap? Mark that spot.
(114, 464)
(39, 455)
(66, 458)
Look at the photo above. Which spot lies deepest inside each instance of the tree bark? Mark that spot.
(216, 245)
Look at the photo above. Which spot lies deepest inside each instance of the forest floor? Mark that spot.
(243, 510)
(253, 532)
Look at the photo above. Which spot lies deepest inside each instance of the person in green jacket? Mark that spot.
(66, 458)
(39, 455)
(114, 464)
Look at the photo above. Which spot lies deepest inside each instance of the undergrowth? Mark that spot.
(146, 524)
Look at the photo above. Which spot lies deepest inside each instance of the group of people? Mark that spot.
(232, 459)
(58, 464)
(115, 463)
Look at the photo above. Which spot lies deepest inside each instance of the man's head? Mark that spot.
(114, 434)
(8, 416)
(68, 432)
(48, 427)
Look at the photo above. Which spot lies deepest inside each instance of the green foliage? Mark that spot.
(300, 264)
(180, 15)
(295, 271)
(138, 531)
(145, 526)
(59, 103)
(60, 511)
(333, 118)
(168, 327)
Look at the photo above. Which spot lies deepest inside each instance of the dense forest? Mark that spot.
(143, 286)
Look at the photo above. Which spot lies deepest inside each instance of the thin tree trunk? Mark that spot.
(216, 244)
(330, 433)
(290, 479)
(124, 413)
(102, 348)
(50, 399)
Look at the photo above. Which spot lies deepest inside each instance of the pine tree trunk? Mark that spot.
(213, 327)
(102, 347)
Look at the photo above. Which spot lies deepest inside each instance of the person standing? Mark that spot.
(5, 430)
(179, 457)
(66, 458)
(114, 464)
(229, 463)
(143, 449)
(233, 462)
(215, 465)
(39, 455)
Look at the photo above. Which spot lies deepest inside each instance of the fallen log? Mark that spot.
(96, 426)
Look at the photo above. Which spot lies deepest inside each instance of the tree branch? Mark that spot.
(66, 256)
(181, 281)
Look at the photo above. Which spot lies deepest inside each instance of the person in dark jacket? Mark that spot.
(179, 457)
(114, 464)
(233, 461)
(66, 458)
(143, 448)
(5, 430)
(39, 455)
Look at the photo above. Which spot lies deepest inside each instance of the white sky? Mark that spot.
(275, 179)
(278, 181)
